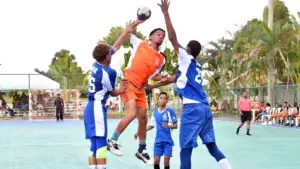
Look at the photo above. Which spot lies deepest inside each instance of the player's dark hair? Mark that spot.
(163, 93)
(100, 52)
(155, 30)
(195, 48)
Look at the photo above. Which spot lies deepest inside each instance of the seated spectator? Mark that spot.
(276, 114)
(256, 108)
(265, 110)
(3, 102)
(284, 113)
(16, 100)
(213, 105)
(293, 113)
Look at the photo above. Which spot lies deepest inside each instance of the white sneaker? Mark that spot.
(113, 147)
(144, 156)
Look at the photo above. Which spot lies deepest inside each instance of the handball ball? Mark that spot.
(143, 13)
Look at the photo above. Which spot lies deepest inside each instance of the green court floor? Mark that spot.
(52, 145)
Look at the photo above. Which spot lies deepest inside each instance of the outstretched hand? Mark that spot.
(129, 27)
(164, 5)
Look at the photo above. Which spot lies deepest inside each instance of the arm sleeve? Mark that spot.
(173, 116)
(184, 59)
(135, 41)
(109, 79)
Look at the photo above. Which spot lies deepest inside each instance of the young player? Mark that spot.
(196, 119)
(144, 64)
(101, 85)
(165, 120)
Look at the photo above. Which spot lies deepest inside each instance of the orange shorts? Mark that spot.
(133, 92)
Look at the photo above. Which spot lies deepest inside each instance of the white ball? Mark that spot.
(143, 13)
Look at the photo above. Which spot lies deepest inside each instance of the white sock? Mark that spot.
(224, 164)
(92, 167)
(101, 167)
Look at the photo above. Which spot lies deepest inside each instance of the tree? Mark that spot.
(64, 69)
(171, 65)
(281, 12)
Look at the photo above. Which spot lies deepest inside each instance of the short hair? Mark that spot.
(163, 93)
(155, 30)
(100, 52)
(195, 48)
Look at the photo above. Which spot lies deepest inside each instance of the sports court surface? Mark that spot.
(52, 145)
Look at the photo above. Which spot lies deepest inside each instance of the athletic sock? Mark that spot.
(142, 146)
(115, 136)
(224, 164)
(156, 166)
(101, 166)
(92, 167)
(167, 167)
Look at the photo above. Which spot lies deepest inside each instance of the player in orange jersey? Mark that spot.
(145, 63)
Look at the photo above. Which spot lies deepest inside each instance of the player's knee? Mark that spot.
(143, 118)
(156, 160)
(214, 151)
(167, 161)
(101, 152)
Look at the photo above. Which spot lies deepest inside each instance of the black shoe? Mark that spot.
(237, 131)
(248, 134)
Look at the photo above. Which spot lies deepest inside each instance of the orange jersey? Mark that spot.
(144, 63)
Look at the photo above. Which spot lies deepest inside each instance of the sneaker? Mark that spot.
(237, 131)
(113, 147)
(248, 134)
(144, 156)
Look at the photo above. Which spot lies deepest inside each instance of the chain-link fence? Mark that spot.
(13, 86)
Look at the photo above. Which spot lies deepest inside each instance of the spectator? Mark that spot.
(16, 100)
(59, 105)
(213, 105)
(265, 110)
(293, 113)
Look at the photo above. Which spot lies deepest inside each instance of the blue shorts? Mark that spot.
(95, 120)
(196, 120)
(163, 149)
(97, 143)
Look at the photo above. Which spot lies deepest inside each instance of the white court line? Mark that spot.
(279, 139)
(50, 144)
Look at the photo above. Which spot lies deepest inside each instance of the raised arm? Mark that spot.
(130, 26)
(171, 31)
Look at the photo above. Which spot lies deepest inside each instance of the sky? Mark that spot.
(32, 31)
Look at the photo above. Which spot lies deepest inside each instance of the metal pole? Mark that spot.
(270, 16)
(29, 82)
(271, 93)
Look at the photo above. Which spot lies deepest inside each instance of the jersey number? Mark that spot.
(198, 77)
(92, 84)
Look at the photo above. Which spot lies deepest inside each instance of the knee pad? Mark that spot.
(101, 152)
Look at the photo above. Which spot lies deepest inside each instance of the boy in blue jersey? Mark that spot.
(101, 85)
(196, 119)
(165, 120)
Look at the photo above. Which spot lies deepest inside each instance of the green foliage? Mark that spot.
(114, 34)
(281, 12)
(64, 69)
(171, 65)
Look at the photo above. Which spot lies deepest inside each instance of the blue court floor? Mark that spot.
(52, 145)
